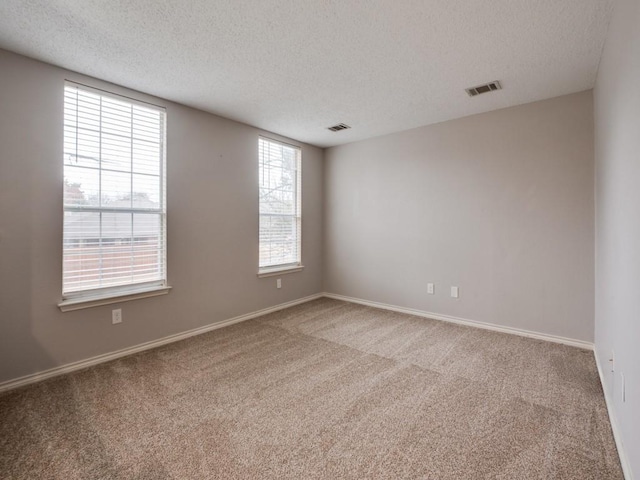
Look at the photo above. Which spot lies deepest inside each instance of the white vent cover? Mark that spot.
(337, 128)
(486, 88)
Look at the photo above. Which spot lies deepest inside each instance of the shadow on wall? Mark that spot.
(20, 350)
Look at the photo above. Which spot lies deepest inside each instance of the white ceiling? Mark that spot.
(296, 67)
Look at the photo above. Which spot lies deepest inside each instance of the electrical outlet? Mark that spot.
(279, 283)
(455, 292)
(116, 316)
(612, 361)
(430, 288)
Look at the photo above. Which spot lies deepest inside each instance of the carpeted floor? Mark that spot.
(325, 390)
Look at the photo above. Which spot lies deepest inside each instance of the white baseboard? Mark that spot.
(72, 367)
(463, 321)
(82, 364)
(624, 461)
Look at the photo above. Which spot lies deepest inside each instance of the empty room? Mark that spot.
(267, 239)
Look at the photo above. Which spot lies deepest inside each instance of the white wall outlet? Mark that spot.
(116, 316)
(622, 387)
(431, 289)
(279, 283)
(612, 361)
(455, 292)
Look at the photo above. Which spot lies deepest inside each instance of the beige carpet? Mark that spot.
(323, 390)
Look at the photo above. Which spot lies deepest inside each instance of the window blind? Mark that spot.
(280, 196)
(114, 192)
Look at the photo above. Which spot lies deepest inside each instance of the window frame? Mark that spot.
(290, 267)
(95, 296)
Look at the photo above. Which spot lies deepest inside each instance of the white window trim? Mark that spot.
(107, 298)
(284, 269)
(279, 270)
(122, 293)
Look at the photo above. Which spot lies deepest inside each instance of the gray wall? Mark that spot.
(212, 194)
(617, 134)
(500, 204)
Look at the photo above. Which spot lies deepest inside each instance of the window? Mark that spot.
(114, 195)
(280, 206)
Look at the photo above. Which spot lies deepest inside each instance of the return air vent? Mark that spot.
(486, 88)
(337, 128)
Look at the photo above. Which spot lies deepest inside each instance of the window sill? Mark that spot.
(79, 303)
(271, 272)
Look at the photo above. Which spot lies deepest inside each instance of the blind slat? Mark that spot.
(114, 191)
(280, 204)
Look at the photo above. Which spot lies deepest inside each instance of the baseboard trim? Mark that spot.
(470, 323)
(107, 357)
(79, 365)
(624, 461)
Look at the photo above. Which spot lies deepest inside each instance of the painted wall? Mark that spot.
(617, 140)
(499, 204)
(212, 215)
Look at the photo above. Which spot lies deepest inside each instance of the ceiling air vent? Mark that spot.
(486, 88)
(337, 128)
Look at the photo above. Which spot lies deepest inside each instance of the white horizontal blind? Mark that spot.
(114, 192)
(280, 204)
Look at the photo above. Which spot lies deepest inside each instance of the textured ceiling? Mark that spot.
(296, 67)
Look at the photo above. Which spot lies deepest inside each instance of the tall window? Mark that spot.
(280, 205)
(114, 193)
